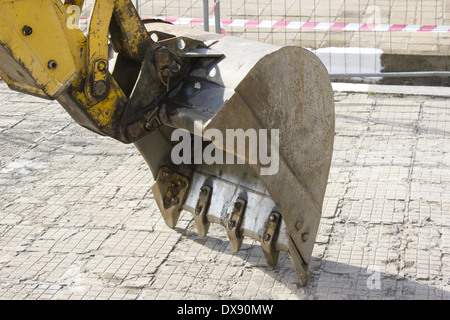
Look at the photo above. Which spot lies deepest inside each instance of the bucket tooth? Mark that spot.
(201, 210)
(233, 225)
(170, 191)
(268, 239)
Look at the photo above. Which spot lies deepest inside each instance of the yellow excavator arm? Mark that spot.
(237, 132)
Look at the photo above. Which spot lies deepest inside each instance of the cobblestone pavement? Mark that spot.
(78, 220)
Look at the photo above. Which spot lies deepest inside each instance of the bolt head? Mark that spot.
(267, 237)
(162, 56)
(27, 30)
(52, 65)
(100, 88)
(198, 209)
(102, 66)
(299, 225)
(150, 124)
(174, 200)
(305, 237)
(166, 72)
(175, 67)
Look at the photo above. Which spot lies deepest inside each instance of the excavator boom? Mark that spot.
(237, 132)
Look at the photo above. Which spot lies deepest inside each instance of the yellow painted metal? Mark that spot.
(78, 3)
(97, 84)
(43, 52)
(134, 37)
(104, 112)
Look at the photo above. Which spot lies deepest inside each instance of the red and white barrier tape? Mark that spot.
(323, 26)
(299, 25)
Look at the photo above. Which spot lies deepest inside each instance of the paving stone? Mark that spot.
(78, 219)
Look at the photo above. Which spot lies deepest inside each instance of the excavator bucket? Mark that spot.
(256, 131)
(237, 132)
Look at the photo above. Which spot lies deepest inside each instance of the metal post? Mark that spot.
(205, 15)
(217, 16)
(137, 6)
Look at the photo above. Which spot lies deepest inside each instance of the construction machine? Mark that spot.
(237, 132)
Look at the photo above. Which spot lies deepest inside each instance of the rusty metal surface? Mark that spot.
(297, 99)
(170, 191)
(259, 86)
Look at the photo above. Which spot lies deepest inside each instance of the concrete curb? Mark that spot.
(392, 89)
